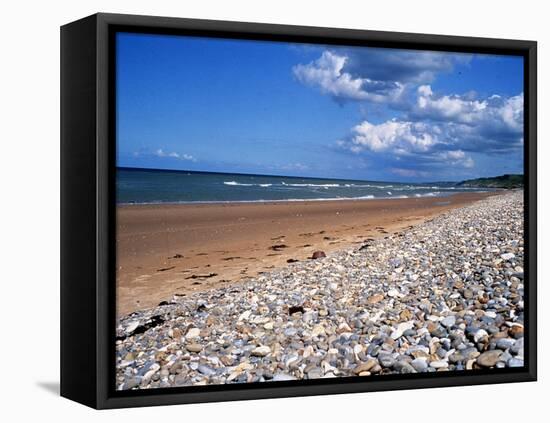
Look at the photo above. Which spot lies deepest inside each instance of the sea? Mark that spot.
(152, 186)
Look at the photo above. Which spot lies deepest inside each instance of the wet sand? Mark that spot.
(167, 250)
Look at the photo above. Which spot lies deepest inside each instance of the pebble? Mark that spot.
(194, 347)
(443, 295)
(439, 364)
(489, 358)
(449, 321)
(205, 370)
(132, 326)
(281, 377)
(261, 351)
(193, 333)
(365, 367)
(420, 364)
(505, 343)
(480, 335)
(315, 373)
(386, 360)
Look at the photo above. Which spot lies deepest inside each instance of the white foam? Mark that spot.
(428, 194)
(313, 185)
(234, 183)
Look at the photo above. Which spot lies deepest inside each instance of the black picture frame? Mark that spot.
(88, 207)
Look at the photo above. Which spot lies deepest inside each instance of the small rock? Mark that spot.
(439, 364)
(131, 327)
(194, 348)
(516, 331)
(480, 335)
(318, 330)
(365, 367)
(280, 377)
(315, 373)
(386, 360)
(205, 370)
(403, 367)
(376, 298)
(505, 343)
(489, 358)
(420, 364)
(318, 255)
(193, 333)
(448, 321)
(393, 293)
(132, 383)
(261, 351)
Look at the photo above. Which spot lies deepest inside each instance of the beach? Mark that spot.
(445, 294)
(174, 250)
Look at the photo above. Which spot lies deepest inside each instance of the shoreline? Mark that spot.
(438, 296)
(179, 249)
(433, 194)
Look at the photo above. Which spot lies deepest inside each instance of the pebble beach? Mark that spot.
(444, 295)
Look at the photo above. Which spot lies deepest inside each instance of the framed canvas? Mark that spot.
(258, 211)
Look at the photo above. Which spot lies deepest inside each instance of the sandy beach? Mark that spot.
(442, 295)
(175, 250)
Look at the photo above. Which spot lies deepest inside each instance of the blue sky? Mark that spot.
(312, 110)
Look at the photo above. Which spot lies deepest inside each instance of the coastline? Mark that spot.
(443, 295)
(179, 249)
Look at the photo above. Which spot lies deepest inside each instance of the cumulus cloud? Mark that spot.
(505, 113)
(419, 142)
(430, 129)
(492, 125)
(327, 73)
(396, 136)
(443, 130)
(455, 158)
(376, 75)
(161, 153)
(446, 107)
(406, 66)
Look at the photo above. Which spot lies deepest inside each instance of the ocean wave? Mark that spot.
(428, 194)
(234, 183)
(312, 185)
(240, 184)
(367, 186)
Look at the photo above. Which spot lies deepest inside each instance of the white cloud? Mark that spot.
(454, 154)
(425, 91)
(328, 74)
(494, 114)
(455, 158)
(420, 142)
(405, 66)
(447, 107)
(431, 129)
(397, 136)
(161, 153)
